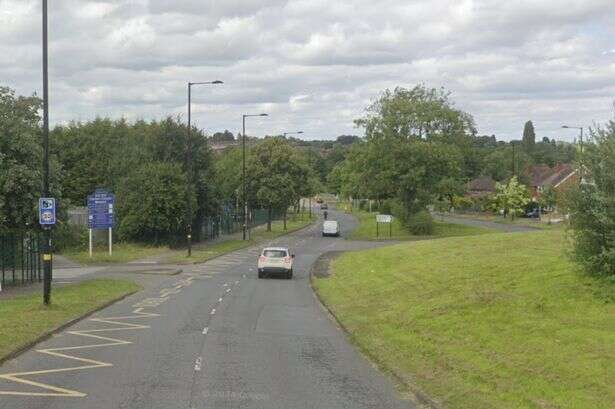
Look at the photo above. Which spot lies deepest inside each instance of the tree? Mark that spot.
(277, 176)
(592, 205)
(151, 203)
(511, 197)
(418, 113)
(529, 137)
(449, 188)
(21, 160)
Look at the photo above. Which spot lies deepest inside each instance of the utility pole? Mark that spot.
(47, 266)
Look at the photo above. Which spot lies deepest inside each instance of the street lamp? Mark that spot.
(189, 162)
(581, 135)
(47, 229)
(290, 133)
(245, 200)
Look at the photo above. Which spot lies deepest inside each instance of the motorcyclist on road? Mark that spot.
(325, 214)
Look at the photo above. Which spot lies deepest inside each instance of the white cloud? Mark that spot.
(315, 64)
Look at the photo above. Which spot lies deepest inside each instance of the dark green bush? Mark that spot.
(421, 223)
(69, 236)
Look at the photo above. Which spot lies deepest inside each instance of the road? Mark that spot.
(214, 336)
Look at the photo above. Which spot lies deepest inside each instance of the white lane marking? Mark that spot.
(220, 299)
(205, 331)
(243, 275)
(228, 290)
(225, 285)
(198, 363)
(213, 311)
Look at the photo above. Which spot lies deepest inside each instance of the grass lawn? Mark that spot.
(207, 251)
(25, 318)
(490, 321)
(367, 229)
(122, 253)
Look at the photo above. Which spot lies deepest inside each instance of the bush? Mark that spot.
(69, 236)
(592, 206)
(421, 223)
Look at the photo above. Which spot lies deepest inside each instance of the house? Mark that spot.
(558, 178)
(480, 187)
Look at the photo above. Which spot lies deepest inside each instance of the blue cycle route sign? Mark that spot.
(47, 211)
(101, 209)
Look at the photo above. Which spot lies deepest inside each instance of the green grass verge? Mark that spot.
(122, 253)
(23, 319)
(366, 230)
(491, 321)
(207, 251)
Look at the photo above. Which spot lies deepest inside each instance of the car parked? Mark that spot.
(533, 214)
(331, 228)
(276, 260)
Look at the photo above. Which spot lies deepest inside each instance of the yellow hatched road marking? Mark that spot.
(51, 390)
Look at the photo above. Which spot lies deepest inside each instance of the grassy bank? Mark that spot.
(24, 318)
(207, 251)
(500, 321)
(366, 229)
(122, 253)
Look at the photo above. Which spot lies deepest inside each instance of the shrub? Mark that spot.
(69, 236)
(421, 223)
(592, 206)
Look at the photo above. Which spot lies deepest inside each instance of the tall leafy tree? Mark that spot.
(529, 136)
(277, 176)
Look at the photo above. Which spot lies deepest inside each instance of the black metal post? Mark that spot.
(47, 231)
(245, 202)
(189, 173)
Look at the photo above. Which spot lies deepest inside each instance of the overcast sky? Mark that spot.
(314, 65)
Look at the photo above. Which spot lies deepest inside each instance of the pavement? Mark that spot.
(213, 336)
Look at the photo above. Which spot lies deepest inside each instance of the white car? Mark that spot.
(276, 260)
(330, 228)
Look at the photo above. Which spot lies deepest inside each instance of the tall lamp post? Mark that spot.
(580, 128)
(47, 229)
(243, 147)
(189, 164)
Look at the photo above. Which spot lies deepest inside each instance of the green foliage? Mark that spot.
(421, 223)
(510, 198)
(21, 159)
(529, 136)
(277, 176)
(592, 205)
(151, 203)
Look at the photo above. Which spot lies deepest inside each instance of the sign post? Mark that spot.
(384, 218)
(101, 215)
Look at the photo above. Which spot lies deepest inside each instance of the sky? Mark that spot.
(314, 65)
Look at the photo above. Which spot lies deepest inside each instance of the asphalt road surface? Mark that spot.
(214, 336)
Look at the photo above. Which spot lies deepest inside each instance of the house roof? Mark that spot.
(550, 177)
(482, 184)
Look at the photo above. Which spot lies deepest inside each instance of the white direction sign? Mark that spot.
(384, 218)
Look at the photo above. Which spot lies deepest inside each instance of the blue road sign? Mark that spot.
(47, 211)
(101, 210)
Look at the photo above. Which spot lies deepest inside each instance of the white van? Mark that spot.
(330, 228)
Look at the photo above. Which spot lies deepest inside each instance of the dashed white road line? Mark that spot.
(205, 331)
(213, 311)
(198, 363)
